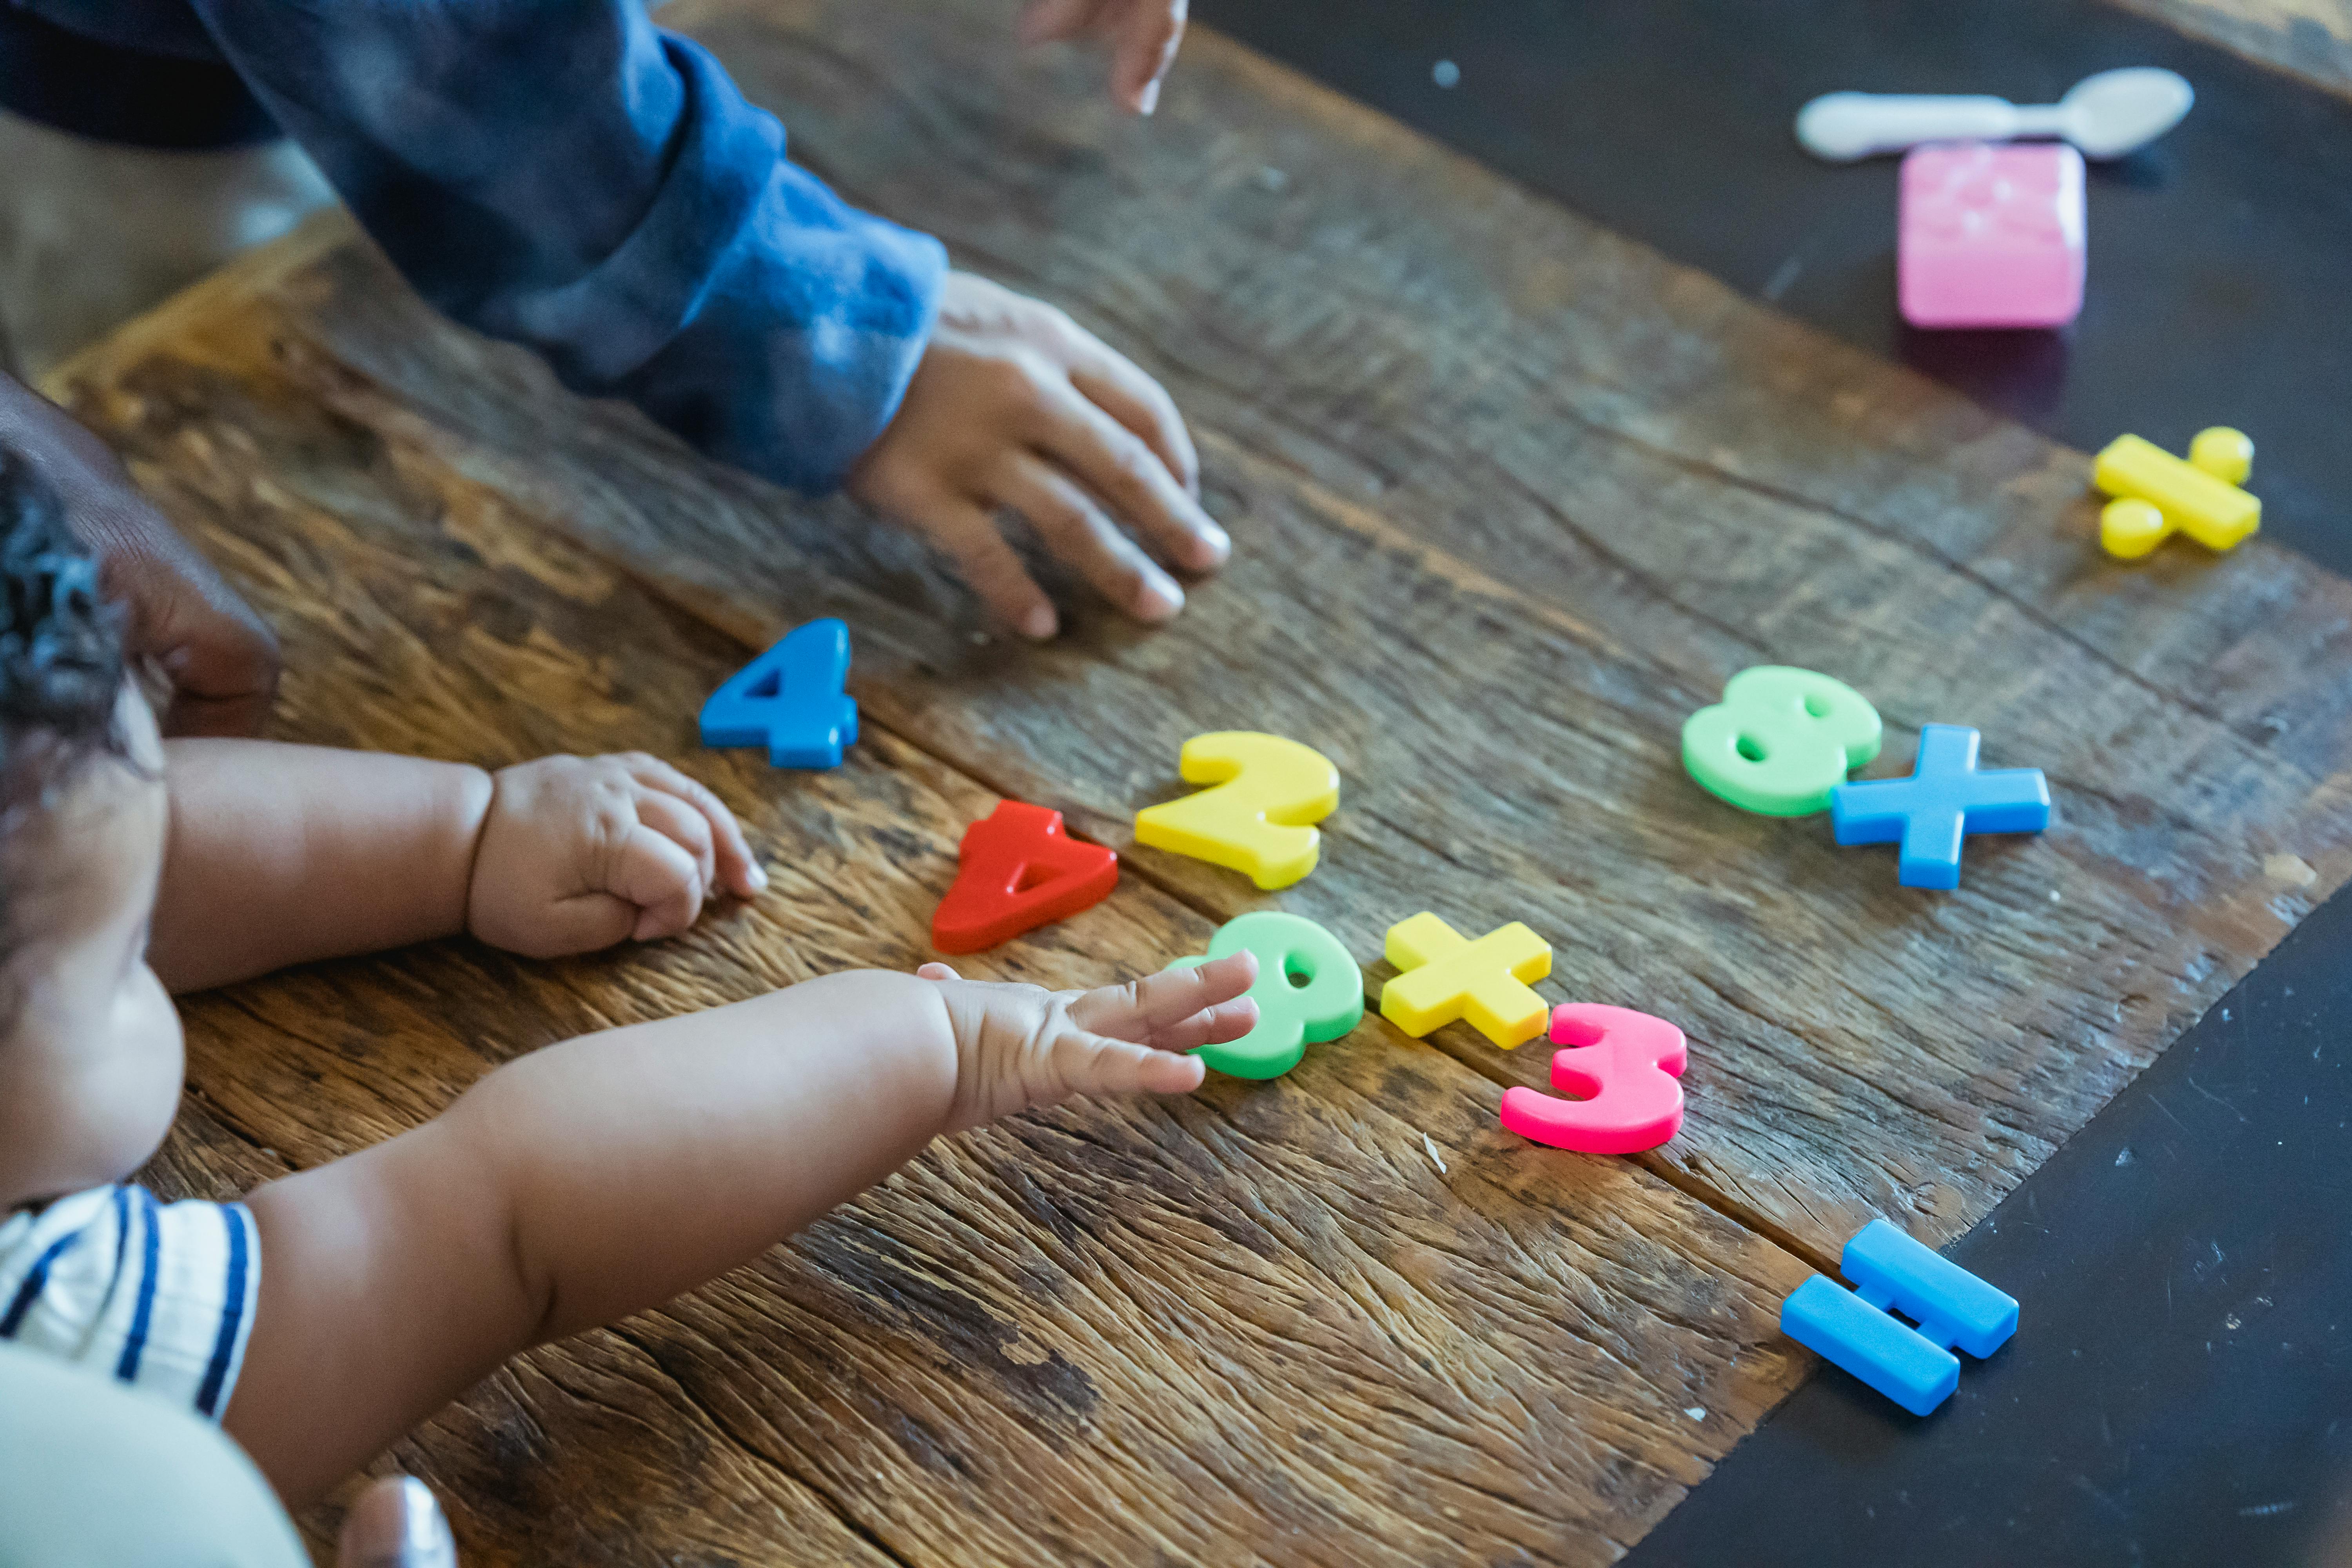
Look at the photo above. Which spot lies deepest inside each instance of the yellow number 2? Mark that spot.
(1258, 817)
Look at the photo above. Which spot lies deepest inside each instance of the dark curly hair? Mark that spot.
(61, 672)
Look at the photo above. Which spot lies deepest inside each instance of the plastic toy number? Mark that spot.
(1625, 1064)
(1308, 989)
(790, 700)
(1017, 871)
(1258, 819)
(1780, 740)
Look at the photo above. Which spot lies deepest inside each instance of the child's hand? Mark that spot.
(578, 852)
(1016, 406)
(1023, 1046)
(1143, 36)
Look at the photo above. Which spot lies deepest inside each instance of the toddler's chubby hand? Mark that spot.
(578, 852)
(1023, 1046)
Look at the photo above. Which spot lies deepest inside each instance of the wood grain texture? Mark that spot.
(1514, 496)
(1258, 1324)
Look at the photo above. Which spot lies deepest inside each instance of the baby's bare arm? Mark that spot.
(280, 854)
(568, 1189)
(607, 1175)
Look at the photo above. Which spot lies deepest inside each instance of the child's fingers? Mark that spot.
(1143, 33)
(989, 565)
(737, 870)
(1092, 1064)
(1121, 390)
(1138, 1009)
(1085, 538)
(660, 878)
(1216, 1026)
(1165, 1072)
(935, 971)
(1149, 34)
(683, 826)
(1121, 469)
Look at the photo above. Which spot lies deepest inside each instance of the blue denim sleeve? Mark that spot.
(562, 173)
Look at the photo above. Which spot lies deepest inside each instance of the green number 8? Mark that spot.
(1780, 740)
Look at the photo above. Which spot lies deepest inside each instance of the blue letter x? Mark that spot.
(1943, 797)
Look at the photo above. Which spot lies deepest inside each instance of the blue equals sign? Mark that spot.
(1914, 1367)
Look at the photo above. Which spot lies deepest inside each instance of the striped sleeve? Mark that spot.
(155, 1295)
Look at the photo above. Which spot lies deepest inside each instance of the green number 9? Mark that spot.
(1308, 989)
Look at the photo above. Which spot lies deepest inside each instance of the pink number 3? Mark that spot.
(1625, 1064)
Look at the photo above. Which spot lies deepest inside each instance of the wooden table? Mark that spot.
(1512, 497)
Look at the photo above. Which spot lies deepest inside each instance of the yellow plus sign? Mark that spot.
(1447, 976)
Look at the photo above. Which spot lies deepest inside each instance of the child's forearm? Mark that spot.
(280, 854)
(642, 1161)
(568, 1189)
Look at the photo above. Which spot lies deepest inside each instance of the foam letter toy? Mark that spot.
(1258, 818)
(790, 700)
(1914, 1367)
(1309, 989)
(1780, 740)
(1625, 1063)
(1448, 976)
(2158, 495)
(1016, 871)
(1944, 798)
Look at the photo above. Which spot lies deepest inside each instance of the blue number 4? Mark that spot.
(790, 700)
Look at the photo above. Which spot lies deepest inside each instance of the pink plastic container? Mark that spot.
(1991, 235)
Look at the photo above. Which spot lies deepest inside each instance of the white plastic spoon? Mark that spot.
(2106, 116)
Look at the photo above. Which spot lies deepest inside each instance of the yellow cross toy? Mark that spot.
(1447, 976)
(2157, 493)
